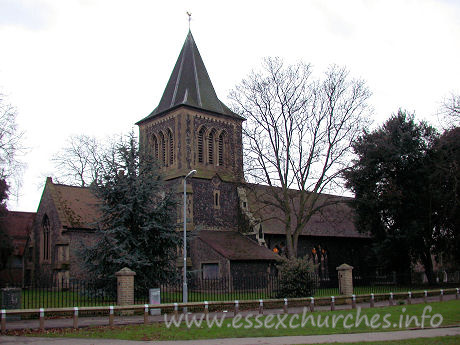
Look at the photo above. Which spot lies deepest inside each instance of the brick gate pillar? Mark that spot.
(125, 286)
(345, 275)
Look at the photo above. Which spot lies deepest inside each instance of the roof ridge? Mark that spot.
(69, 185)
(22, 212)
(298, 190)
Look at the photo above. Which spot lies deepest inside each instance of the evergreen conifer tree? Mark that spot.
(137, 224)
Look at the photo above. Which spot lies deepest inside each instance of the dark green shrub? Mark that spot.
(297, 278)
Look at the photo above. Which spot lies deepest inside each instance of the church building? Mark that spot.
(191, 129)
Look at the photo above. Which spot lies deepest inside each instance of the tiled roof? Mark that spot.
(190, 85)
(77, 206)
(235, 246)
(335, 220)
(18, 226)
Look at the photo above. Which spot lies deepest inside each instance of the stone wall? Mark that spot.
(64, 245)
(43, 269)
(185, 122)
(77, 238)
(202, 253)
(205, 213)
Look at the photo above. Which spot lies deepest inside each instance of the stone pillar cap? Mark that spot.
(344, 267)
(125, 272)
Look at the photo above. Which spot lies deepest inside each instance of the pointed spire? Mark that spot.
(189, 84)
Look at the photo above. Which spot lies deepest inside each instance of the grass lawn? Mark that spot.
(395, 316)
(450, 340)
(171, 297)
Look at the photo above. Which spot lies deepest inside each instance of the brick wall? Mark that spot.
(125, 286)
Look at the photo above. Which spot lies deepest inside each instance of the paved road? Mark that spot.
(311, 339)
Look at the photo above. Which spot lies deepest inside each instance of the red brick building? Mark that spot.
(18, 226)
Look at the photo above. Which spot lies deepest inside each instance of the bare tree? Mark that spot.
(298, 136)
(11, 146)
(80, 161)
(450, 110)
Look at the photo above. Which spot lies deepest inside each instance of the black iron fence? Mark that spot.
(72, 293)
(237, 288)
(65, 293)
(222, 289)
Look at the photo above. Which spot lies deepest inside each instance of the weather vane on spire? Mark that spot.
(189, 19)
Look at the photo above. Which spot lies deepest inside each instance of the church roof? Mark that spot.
(77, 207)
(235, 246)
(190, 85)
(334, 220)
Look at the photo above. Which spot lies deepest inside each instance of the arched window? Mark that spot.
(155, 148)
(46, 237)
(171, 147)
(200, 145)
(211, 137)
(221, 150)
(163, 149)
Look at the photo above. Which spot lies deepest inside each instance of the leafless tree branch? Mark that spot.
(298, 135)
(11, 146)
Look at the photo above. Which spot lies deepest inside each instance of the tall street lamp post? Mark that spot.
(184, 290)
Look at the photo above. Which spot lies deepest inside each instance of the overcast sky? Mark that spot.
(96, 67)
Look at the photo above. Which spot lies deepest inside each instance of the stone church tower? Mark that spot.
(192, 129)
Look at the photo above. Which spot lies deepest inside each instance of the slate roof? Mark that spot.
(190, 85)
(235, 246)
(331, 221)
(77, 206)
(18, 226)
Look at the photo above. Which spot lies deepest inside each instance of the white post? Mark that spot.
(75, 317)
(237, 307)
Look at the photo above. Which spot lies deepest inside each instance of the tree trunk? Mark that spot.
(290, 253)
(428, 265)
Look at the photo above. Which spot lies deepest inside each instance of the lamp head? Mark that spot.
(193, 172)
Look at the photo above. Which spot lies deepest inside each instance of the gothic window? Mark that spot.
(171, 147)
(211, 147)
(261, 232)
(221, 149)
(216, 198)
(155, 147)
(163, 149)
(320, 259)
(46, 237)
(200, 145)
